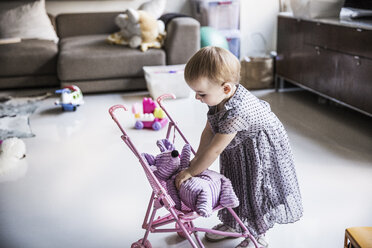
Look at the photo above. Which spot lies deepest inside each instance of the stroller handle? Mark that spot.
(172, 122)
(161, 98)
(113, 108)
(165, 96)
(111, 111)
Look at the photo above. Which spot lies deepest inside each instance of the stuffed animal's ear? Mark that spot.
(164, 145)
(185, 156)
(133, 15)
(149, 158)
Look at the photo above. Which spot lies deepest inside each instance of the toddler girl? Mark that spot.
(252, 144)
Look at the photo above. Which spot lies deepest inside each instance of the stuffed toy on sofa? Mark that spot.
(138, 29)
(154, 7)
(201, 193)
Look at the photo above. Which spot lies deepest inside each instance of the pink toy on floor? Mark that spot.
(153, 117)
(148, 105)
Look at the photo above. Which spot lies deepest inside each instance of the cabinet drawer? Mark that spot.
(341, 76)
(319, 70)
(352, 40)
(355, 74)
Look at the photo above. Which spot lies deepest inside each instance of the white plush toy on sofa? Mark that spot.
(138, 29)
(13, 164)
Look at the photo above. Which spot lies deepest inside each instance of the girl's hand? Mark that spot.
(181, 177)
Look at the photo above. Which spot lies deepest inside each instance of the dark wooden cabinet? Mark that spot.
(328, 57)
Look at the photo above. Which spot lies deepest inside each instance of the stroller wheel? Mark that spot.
(139, 244)
(181, 234)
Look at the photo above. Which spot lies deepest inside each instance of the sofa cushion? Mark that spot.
(91, 57)
(26, 20)
(77, 24)
(29, 57)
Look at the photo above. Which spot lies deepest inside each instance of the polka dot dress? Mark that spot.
(259, 163)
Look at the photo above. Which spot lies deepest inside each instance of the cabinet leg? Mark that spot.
(276, 83)
(279, 83)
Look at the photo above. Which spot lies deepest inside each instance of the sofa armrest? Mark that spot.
(182, 40)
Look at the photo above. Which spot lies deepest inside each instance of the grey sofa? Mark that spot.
(85, 59)
(88, 61)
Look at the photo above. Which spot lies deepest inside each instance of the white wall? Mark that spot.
(258, 17)
(57, 7)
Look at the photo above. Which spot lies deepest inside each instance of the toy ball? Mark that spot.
(13, 164)
(212, 37)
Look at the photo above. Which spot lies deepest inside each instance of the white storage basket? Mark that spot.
(166, 79)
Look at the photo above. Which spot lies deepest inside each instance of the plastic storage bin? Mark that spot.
(233, 40)
(166, 79)
(217, 14)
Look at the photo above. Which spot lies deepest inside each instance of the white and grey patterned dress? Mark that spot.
(259, 163)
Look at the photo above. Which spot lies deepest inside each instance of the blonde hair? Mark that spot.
(214, 63)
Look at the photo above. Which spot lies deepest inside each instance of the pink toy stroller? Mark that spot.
(160, 198)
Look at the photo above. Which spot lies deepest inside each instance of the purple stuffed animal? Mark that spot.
(201, 193)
